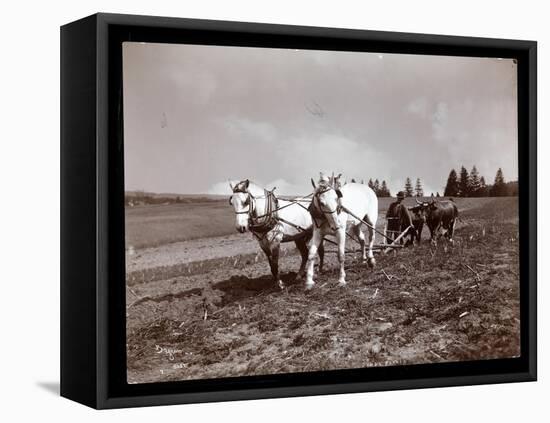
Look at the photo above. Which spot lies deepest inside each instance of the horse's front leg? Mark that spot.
(301, 245)
(275, 249)
(321, 252)
(312, 253)
(341, 241)
(271, 246)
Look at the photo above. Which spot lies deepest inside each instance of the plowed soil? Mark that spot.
(208, 308)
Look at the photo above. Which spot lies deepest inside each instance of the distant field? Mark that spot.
(156, 225)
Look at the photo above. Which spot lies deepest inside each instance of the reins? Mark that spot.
(291, 203)
(272, 214)
(273, 219)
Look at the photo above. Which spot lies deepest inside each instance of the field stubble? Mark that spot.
(419, 305)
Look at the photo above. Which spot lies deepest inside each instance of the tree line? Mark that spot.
(465, 184)
(140, 197)
(473, 185)
(417, 191)
(380, 188)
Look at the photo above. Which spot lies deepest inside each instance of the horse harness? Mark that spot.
(267, 221)
(317, 211)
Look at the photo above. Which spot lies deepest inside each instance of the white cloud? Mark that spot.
(237, 112)
(440, 120)
(308, 156)
(259, 131)
(419, 107)
(285, 187)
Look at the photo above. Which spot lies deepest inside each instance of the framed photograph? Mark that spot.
(255, 211)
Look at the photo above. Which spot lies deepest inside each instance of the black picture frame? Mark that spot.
(93, 354)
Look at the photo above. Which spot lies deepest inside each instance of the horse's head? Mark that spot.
(327, 200)
(240, 200)
(337, 181)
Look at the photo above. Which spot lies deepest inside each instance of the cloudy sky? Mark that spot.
(196, 116)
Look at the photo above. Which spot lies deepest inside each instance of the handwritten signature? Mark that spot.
(170, 352)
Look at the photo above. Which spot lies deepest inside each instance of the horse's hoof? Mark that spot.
(301, 275)
(309, 285)
(371, 262)
(281, 285)
(341, 284)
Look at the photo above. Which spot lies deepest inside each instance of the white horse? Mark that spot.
(272, 221)
(328, 209)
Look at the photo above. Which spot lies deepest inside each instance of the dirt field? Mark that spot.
(206, 307)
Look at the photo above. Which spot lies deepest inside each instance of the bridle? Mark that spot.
(316, 203)
(247, 202)
(263, 223)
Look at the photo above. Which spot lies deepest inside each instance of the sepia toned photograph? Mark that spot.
(296, 210)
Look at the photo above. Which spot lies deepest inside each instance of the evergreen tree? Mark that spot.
(418, 188)
(371, 184)
(499, 187)
(483, 189)
(475, 183)
(464, 183)
(384, 190)
(377, 187)
(437, 194)
(408, 188)
(512, 188)
(451, 189)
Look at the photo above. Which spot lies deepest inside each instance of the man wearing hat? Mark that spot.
(397, 218)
